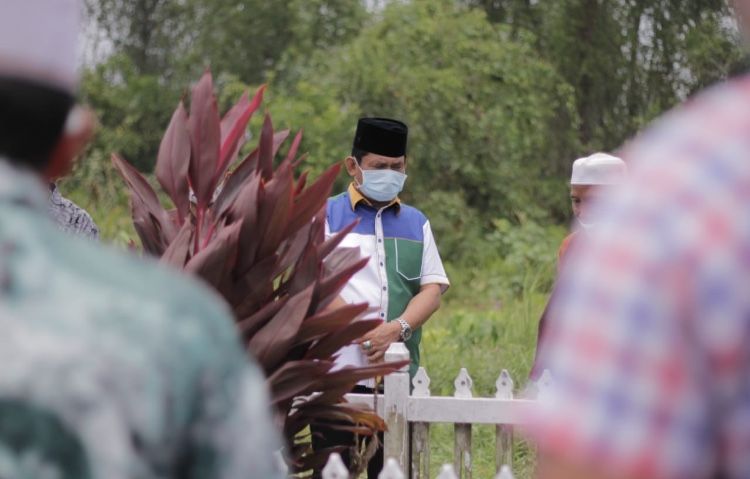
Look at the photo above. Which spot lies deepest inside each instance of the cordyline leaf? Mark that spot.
(344, 413)
(320, 325)
(233, 127)
(341, 258)
(326, 248)
(232, 185)
(331, 286)
(173, 162)
(213, 261)
(265, 149)
(312, 199)
(337, 383)
(177, 252)
(299, 161)
(145, 226)
(148, 201)
(306, 270)
(252, 324)
(205, 140)
(254, 287)
(246, 207)
(334, 341)
(358, 413)
(278, 139)
(301, 182)
(292, 153)
(318, 229)
(270, 344)
(274, 211)
(292, 250)
(295, 377)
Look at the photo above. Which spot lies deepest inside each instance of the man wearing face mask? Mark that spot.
(592, 177)
(404, 278)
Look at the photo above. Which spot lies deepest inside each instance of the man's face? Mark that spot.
(581, 199)
(372, 161)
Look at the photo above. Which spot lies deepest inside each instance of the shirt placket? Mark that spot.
(380, 248)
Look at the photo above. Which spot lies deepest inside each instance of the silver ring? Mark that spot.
(367, 345)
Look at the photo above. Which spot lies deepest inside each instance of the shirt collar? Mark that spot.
(355, 197)
(21, 186)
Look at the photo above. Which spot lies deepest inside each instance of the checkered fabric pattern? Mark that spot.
(649, 332)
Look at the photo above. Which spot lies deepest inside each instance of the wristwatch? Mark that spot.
(405, 329)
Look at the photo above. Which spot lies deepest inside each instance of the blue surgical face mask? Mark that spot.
(381, 185)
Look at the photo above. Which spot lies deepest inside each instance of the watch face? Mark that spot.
(405, 330)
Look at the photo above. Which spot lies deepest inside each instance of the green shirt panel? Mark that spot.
(403, 268)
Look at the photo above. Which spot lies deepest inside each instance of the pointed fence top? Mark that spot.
(504, 385)
(391, 470)
(505, 473)
(447, 472)
(545, 385)
(421, 383)
(335, 468)
(463, 384)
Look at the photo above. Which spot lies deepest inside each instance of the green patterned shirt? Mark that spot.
(111, 367)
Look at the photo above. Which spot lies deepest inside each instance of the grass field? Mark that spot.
(483, 338)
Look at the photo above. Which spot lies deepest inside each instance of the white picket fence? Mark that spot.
(408, 417)
(335, 469)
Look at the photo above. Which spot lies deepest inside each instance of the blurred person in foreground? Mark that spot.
(592, 177)
(650, 348)
(111, 367)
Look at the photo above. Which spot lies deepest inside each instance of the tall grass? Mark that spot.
(484, 339)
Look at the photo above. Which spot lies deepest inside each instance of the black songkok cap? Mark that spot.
(382, 136)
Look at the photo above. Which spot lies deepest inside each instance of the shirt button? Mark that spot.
(385, 288)
(382, 315)
(378, 215)
(381, 263)
(380, 240)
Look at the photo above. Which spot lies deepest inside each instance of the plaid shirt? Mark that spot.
(649, 332)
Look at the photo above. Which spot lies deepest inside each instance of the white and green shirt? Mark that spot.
(403, 257)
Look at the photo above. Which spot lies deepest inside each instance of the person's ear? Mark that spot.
(351, 166)
(76, 134)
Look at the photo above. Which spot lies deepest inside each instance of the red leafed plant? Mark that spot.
(256, 234)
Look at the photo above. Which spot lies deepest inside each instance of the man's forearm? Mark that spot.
(423, 305)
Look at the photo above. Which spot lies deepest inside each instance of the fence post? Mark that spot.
(503, 433)
(462, 440)
(420, 431)
(396, 397)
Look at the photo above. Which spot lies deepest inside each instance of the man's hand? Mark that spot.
(379, 340)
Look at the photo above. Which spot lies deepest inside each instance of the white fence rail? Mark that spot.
(408, 417)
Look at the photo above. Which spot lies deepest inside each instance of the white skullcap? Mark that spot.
(38, 40)
(598, 169)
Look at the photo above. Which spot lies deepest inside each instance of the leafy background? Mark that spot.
(500, 95)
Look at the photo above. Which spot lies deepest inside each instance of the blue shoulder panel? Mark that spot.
(407, 224)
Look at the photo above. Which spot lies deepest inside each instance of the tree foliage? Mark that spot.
(500, 95)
